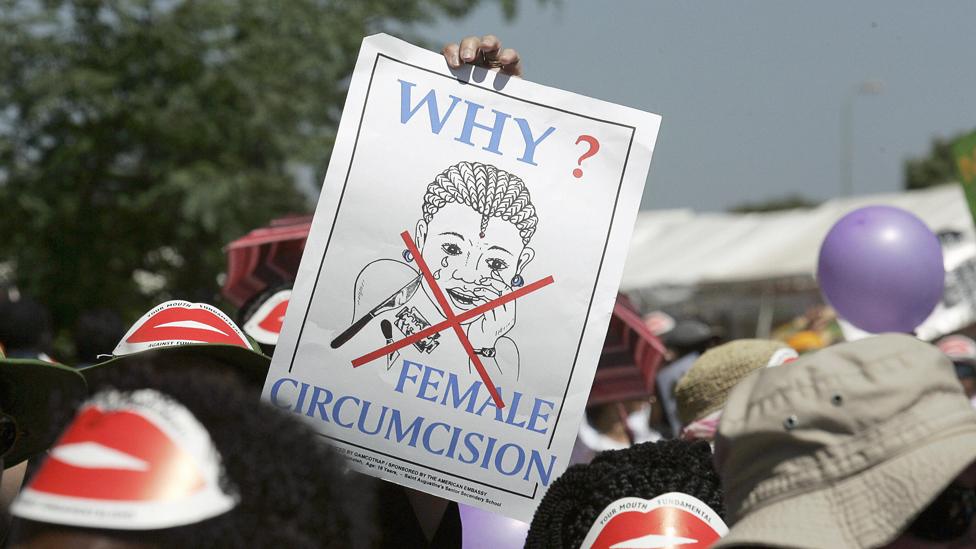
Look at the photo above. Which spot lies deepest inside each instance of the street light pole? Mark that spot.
(868, 87)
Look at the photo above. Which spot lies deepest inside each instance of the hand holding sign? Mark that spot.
(484, 52)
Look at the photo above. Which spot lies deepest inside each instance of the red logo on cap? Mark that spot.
(118, 455)
(273, 320)
(664, 527)
(669, 521)
(187, 324)
(957, 347)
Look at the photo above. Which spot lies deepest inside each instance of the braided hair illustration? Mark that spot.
(486, 189)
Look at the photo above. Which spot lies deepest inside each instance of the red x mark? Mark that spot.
(452, 320)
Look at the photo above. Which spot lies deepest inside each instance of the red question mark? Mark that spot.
(594, 146)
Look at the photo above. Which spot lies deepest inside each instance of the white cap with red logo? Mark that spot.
(669, 520)
(265, 324)
(957, 347)
(129, 461)
(181, 323)
(177, 328)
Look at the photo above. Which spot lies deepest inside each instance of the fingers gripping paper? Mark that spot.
(459, 276)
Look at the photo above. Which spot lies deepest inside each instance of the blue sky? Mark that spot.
(752, 91)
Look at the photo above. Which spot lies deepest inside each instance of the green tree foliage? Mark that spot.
(936, 168)
(140, 136)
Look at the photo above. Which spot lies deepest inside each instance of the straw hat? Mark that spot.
(706, 386)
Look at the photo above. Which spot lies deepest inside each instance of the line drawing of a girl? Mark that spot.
(474, 233)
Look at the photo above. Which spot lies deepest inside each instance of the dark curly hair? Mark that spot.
(294, 490)
(647, 470)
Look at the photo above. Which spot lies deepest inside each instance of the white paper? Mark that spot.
(436, 427)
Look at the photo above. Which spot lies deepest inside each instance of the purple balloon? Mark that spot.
(485, 530)
(881, 269)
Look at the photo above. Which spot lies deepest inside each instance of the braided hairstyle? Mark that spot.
(486, 189)
(647, 470)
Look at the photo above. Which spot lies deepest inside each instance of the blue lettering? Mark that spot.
(513, 408)
(535, 459)
(364, 413)
(471, 448)
(336, 408)
(436, 120)
(530, 143)
(470, 395)
(316, 403)
(427, 432)
(452, 447)
(488, 452)
(274, 392)
(537, 414)
(404, 371)
(425, 381)
(490, 402)
(500, 459)
(300, 403)
(495, 129)
(396, 424)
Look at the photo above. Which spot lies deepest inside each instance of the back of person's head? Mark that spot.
(576, 498)
(97, 332)
(690, 336)
(25, 327)
(292, 490)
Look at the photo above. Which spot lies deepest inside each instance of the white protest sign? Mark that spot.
(450, 194)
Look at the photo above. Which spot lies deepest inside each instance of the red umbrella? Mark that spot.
(265, 258)
(630, 359)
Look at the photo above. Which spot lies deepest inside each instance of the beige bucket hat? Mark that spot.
(844, 447)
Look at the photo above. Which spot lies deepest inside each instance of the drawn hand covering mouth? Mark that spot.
(128, 461)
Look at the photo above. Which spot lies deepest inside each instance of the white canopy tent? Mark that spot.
(683, 248)
(674, 251)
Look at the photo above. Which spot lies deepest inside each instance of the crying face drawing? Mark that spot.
(473, 234)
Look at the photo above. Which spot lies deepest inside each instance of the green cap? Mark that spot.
(26, 389)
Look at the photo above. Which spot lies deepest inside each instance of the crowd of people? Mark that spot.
(862, 444)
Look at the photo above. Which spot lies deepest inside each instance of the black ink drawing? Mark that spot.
(473, 233)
